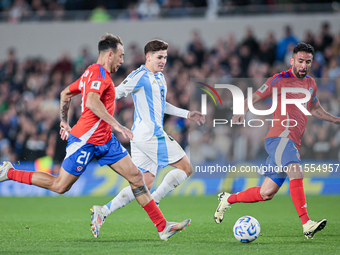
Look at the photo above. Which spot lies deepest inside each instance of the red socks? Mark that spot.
(250, 195)
(297, 194)
(155, 215)
(20, 176)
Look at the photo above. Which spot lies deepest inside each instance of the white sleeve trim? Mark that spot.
(173, 110)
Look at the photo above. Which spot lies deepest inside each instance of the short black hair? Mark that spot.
(155, 45)
(305, 47)
(109, 41)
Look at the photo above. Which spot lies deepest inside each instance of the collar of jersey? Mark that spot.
(144, 67)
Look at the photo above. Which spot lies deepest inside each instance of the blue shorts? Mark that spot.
(79, 154)
(282, 152)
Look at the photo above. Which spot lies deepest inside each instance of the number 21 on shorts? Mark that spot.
(83, 158)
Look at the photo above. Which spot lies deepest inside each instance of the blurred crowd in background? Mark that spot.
(30, 89)
(15, 11)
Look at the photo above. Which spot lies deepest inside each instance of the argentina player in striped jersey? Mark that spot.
(151, 147)
(92, 138)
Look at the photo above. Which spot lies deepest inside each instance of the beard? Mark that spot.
(298, 75)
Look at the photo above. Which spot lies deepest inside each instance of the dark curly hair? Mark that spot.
(305, 47)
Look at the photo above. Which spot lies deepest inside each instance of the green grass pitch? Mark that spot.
(61, 225)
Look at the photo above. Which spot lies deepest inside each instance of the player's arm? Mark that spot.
(94, 103)
(238, 119)
(127, 87)
(319, 112)
(65, 102)
(182, 113)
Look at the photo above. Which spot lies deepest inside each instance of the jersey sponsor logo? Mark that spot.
(95, 85)
(263, 88)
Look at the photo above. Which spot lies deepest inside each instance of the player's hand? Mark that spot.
(337, 121)
(127, 133)
(196, 116)
(65, 130)
(237, 119)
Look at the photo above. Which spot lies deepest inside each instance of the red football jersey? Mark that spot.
(293, 114)
(90, 127)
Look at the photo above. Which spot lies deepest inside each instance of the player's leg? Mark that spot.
(169, 152)
(130, 172)
(78, 155)
(256, 194)
(297, 193)
(266, 191)
(125, 196)
(252, 195)
(119, 160)
(60, 184)
(134, 176)
(175, 177)
(137, 190)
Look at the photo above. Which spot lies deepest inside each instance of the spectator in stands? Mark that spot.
(100, 14)
(148, 9)
(282, 46)
(35, 79)
(9, 67)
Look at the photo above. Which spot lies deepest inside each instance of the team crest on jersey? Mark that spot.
(80, 168)
(263, 88)
(298, 155)
(95, 85)
(124, 82)
(311, 90)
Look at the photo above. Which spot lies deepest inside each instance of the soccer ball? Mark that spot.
(246, 229)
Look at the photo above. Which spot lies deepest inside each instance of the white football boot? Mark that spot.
(172, 228)
(4, 170)
(311, 227)
(97, 220)
(223, 205)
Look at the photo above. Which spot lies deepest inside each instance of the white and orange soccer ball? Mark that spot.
(246, 229)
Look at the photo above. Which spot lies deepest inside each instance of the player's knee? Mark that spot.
(188, 169)
(61, 189)
(267, 194)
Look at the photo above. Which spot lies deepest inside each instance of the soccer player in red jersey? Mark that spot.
(282, 142)
(92, 138)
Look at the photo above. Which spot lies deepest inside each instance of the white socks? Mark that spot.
(174, 178)
(124, 197)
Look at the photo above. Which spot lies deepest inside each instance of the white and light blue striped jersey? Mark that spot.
(148, 91)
